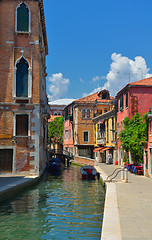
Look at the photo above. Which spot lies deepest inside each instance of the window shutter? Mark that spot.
(22, 125)
(126, 100)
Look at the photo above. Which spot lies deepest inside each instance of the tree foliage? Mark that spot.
(134, 135)
(55, 130)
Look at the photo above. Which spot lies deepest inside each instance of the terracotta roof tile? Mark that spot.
(92, 98)
(146, 81)
(143, 82)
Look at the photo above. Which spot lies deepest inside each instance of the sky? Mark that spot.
(96, 44)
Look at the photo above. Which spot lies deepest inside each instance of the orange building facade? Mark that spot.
(79, 128)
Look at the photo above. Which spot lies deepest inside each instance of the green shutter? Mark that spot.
(116, 105)
(126, 100)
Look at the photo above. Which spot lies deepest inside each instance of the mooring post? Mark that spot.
(122, 173)
(126, 175)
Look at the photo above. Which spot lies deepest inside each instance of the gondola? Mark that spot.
(55, 165)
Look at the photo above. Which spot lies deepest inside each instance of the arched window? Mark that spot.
(22, 80)
(23, 18)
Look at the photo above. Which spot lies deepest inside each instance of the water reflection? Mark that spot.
(60, 208)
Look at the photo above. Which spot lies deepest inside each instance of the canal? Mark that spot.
(59, 207)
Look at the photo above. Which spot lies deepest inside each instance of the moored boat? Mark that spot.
(55, 165)
(88, 172)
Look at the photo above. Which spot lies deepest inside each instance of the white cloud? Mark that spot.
(81, 80)
(97, 78)
(58, 86)
(124, 70)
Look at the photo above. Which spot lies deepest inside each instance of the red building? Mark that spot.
(134, 97)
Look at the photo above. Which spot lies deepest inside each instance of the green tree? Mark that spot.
(134, 135)
(55, 130)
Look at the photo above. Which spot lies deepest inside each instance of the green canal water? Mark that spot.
(63, 207)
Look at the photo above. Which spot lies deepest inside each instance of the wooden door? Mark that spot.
(6, 160)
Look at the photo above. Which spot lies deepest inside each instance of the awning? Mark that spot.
(98, 149)
(104, 149)
(100, 122)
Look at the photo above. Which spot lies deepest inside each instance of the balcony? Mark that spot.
(101, 141)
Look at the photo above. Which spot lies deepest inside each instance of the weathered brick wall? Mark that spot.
(11, 52)
(11, 45)
(84, 161)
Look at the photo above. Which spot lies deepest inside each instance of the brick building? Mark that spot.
(23, 102)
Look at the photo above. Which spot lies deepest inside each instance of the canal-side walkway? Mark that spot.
(128, 207)
(10, 185)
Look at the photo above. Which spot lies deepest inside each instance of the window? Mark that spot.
(117, 129)
(22, 18)
(105, 110)
(83, 113)
(86, 113)
(66, 135)
(22, 122)
(22, 79)
(126, 100)
(85, 152)
(122, 103)
(150, 127)
(85, 136)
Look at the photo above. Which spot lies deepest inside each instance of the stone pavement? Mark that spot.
(134, 202)
(10, 185)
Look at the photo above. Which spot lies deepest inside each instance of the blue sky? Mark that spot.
(96, 44)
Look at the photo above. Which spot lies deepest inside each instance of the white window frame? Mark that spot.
(83, 136)
(66, 135)
(22, 113)
(29, 79)
(16, 18)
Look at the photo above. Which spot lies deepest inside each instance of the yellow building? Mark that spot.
(105, 136)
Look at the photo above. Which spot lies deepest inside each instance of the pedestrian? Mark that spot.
(109, 158)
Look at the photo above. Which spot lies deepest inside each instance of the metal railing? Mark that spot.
(61, 151)
(124, 174)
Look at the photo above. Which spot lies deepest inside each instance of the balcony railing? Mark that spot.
(101, 141)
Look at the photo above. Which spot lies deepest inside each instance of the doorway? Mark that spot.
(6, 160)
